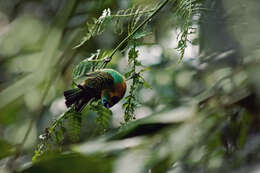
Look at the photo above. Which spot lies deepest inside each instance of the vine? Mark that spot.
(131, 101)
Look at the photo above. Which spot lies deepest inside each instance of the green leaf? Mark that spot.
(6, 149)
(141, 34)
(83, 41)
(138, 63)
(128, 74)
(74, 126)
(82, 68)
(91, 31)
(103, 118)
(147, 85)
(59, 135)
(132, 54)
(145, 69)
(71, 162)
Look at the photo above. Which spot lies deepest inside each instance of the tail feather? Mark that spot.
(79, 97)
(72, 96)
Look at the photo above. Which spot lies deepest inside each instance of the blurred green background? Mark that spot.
(200, 115)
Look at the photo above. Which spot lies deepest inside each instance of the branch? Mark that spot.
(108, 59)
(131, 14)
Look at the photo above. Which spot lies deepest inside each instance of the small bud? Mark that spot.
(42, 137)
(107, 60)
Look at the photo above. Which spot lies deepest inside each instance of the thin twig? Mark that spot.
(133, 32)
(131, 14)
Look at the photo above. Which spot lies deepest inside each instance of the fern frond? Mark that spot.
(89, 64)
(74, 125)
(53, 137)
(186, 10)
(103, 118)
(131, 101)
(97, 26)
(58, 134)
(133, 16)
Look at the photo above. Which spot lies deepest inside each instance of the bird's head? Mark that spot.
(112, 95)
(109, 97)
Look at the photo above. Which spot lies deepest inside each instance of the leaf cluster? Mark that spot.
(131, 102)
(132, 15)
(189, 12)
(103, 116)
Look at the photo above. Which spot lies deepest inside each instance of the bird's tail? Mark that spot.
(72, 95)
(76, 96)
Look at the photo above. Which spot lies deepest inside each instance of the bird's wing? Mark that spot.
(98, 80)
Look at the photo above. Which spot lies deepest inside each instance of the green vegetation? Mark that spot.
(192, 100)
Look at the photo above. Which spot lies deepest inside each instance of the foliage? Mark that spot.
(188, 11)
(197, 116)
(103, 116)
(138, 81)
(74, 125)
(7, 148)
(133, 15)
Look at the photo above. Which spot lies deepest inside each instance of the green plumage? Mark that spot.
(118, 78)
(98, 80)
(92, 87)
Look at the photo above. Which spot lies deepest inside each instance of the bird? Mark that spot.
(105, 84)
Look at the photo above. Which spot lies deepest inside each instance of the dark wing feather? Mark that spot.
(90, 88)
(98, 80)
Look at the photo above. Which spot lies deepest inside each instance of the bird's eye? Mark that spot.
(105, 103)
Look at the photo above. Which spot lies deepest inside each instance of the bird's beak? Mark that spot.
(106, 105)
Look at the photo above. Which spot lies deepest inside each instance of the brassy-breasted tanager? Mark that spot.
(106, 84)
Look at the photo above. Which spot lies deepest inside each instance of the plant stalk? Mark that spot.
(132, 33)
